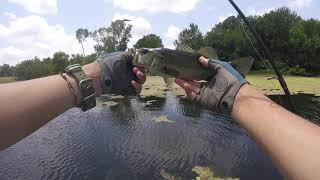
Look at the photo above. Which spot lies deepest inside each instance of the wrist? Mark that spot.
(246, 96)
(93, 71)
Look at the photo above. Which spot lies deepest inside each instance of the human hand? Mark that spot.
(219, 93)
(118, 76)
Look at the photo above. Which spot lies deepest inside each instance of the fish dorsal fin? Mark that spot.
(242, 65)
(185, 48)
(208, 52)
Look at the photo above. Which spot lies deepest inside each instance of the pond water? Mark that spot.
(137, 138)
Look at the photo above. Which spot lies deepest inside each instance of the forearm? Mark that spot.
(288, 139)
(28, 105)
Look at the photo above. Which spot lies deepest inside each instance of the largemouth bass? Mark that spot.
(182, 63)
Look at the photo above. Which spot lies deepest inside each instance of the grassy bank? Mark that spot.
(296, 84)
(307, 85)
(7, 79)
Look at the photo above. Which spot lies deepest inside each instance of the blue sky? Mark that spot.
(30, 28)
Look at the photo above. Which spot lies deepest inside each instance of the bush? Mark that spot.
(296, 70)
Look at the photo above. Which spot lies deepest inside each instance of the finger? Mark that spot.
(191, 94)
(140, 75)
(180, 82)
(195, 83)
(204, 61)
(137, 86)
(189, 85)
(136, 69)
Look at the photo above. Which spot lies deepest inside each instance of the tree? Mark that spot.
(304, 40)
(191, 37)
(82, 35)
(6, 70)
(30, 69)
(60, 61)
(229, 39)
(149, 41)
(274, 29)
(113, 38)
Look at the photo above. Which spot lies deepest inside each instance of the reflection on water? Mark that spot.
(122, 140)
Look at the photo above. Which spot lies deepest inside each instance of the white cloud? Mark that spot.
(141, 26)
(176, 6)
(42, 7)
(26, 37)
(172, 32)
(171, 35)
(10, 15)
(299, 3)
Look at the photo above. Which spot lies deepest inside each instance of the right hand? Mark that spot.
(219, 92)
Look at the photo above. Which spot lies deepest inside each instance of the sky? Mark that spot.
(30, 28)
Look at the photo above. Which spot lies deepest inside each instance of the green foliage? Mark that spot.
(192, 37)
(6, 70)
(293, 42)
(295, 70)
(149, 41)
(113, 38)
(60, 60)
(229, 39)
(274, 29)
(35, 68)
(305, 45)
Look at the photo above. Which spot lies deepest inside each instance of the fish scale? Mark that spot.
(185, 63)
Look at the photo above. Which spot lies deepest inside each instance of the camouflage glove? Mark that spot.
(117, 73)
(219, 93)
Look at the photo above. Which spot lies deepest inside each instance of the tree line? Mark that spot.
(293, 41)
(35, 67)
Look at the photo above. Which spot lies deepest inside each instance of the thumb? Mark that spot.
(210, 63)
(204, 62)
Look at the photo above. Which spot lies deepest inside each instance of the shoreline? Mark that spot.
(155, 86)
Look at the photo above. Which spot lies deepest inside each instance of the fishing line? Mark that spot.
(260, 57)
(268, 55)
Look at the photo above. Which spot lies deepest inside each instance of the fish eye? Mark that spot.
(144, 51)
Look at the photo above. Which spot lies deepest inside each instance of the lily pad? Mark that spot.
(206, 173)
(163, 119)
(109, 103)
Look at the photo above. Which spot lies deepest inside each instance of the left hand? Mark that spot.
(118, 76)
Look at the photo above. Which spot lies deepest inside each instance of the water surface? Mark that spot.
(136, 138)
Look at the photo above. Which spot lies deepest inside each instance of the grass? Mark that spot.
(7, 79)
(296, 84)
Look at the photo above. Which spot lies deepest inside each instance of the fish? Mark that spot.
(182, 62)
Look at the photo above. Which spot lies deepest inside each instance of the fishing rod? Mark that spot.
(269, 57)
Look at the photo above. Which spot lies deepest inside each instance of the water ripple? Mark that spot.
(123, 141)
